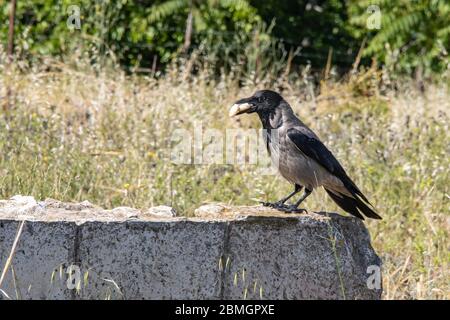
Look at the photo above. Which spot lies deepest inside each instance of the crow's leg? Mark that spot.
(294, 207)
(297, 189)
(280, 203)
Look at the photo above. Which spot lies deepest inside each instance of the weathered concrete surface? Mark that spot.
(80, 251)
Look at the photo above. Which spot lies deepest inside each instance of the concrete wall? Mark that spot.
(79, 251)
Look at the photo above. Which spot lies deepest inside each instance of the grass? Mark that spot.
(76, 132)
(9, 260)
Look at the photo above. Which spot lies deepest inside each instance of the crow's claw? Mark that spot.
(268, 204)
(275, 205)
(292, 209)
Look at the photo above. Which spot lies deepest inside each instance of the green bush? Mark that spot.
(414, 35)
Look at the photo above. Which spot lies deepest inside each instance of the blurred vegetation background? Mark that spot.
(413, 37)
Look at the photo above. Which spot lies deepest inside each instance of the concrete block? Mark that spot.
(80, 251)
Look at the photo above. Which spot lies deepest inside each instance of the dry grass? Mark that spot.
(79, 133)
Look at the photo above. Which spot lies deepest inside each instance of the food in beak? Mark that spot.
(239, 109)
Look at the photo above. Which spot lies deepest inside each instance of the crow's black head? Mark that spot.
(263, 101)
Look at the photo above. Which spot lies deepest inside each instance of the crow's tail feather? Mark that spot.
(353, 205)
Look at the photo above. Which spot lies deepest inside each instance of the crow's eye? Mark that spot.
(261, 99)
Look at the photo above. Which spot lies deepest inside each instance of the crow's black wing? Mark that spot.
(315, 149)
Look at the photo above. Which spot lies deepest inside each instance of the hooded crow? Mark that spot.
(300, 156)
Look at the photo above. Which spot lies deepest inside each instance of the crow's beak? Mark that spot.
(242, 106)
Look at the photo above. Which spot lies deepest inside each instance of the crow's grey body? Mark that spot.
(300, 156)
(291, 162)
